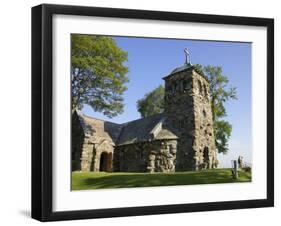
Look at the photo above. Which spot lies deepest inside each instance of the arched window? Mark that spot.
(181, 86)
(175, 87)
(204, 113)
(200, 87)
(168, 88)
(181, 123)
(172, 88)
(205, 90)
(184, 84)
(206, 155)
(141, 154)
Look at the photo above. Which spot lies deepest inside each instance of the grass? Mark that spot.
(91, 180)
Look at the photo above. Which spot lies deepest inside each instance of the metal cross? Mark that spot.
(187, 60)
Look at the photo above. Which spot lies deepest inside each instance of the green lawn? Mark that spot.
(90, 180)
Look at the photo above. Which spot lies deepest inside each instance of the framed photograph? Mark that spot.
(145, 112)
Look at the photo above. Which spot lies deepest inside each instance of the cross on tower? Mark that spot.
(187, 54)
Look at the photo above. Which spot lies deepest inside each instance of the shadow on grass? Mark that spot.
(119, 180)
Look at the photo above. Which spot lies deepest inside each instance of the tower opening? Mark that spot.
(206, 156)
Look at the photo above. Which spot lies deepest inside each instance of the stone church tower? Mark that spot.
(189, 115)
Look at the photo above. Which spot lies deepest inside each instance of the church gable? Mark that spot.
(96, 146)
(99, 130)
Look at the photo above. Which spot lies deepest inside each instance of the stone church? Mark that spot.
(179, 139)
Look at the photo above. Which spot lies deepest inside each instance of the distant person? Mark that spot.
(240, 161)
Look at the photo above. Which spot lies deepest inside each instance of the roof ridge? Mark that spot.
(158, 127)
(91, 117)
(119, 135)
(162, 113)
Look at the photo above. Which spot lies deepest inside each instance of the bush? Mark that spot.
(247, 169)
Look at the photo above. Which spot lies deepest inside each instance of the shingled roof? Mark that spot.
(144, 129)
(98, 130)
(140, 130)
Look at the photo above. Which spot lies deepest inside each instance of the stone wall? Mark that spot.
(153, 156)
(87, 155)
(92, 146)
(204, 141)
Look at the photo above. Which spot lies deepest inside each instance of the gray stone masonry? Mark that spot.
(188, 110)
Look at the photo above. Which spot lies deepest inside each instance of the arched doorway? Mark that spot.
(106, 162)
(206, 156)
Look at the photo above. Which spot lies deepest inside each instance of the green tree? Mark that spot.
(220, 92)
(152, 103)
(98, 74)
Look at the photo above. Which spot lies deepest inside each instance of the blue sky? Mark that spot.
(150, 59)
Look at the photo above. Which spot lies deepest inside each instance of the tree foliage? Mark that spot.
(152, 103)
(220, 92)
(98, 74)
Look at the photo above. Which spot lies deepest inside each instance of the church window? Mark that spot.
(181, 86)
(141, 154)
(181, 124)
(172, 149)
(200, 87)
(172, 88)
(168, 89)
(205, 90)
(184, 84)
(204, 113)
(176, 86)
(206, 154)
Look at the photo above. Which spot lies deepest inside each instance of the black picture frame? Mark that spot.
(42, 111)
